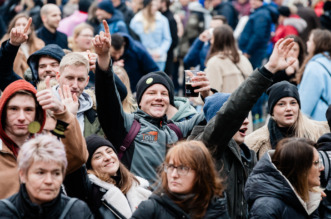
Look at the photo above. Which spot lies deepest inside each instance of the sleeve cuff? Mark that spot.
(265, 72)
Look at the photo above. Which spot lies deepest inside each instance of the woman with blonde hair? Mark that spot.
(285, 182)
(314, 76)
(286, 120)
(226, 66)
(190, 186)
(154, 31)
(129, 103)
(81, 41)
(26, 49)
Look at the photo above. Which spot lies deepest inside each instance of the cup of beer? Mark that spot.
(189, 90)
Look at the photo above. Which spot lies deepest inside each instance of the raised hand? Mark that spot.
(47, 99)
(102, 43)
(19, 35)
(69, 100)
(278, 59)
(92, 58)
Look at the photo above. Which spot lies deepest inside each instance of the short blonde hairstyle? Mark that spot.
(42, 148)
(74, 59)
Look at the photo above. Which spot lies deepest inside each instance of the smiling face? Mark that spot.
(20, 112)
(76, 77)
(181, 184)
(155, 101)
(105, 161)
(43, 181)
(286, 111)
(315, 171)
(47, 67)
(52, 19)
(240, 135)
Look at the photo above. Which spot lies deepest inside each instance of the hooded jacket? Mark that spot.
(74, 142)
(162, 207)
(325, 20)
(149, 147)
(269, 194)
(293, 25)
(52, 50)
(115, 23)
(57, 38)
(185, 109)
(137, 61)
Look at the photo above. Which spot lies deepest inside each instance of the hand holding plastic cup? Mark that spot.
(189, 90)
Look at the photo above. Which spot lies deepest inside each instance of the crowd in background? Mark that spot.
(95, 122)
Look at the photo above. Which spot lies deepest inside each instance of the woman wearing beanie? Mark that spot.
(111, 190)
(286, 120)
(153, 30)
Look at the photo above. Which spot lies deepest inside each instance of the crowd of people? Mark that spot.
(93, 124)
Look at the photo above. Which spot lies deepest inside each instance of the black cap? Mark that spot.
(280, 90)
(146, 2)
(107, 6)
(149, 80)
(93, 142)
(284, 10)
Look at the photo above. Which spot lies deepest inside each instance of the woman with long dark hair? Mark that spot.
(226, 67)
(190, 186)
(285, 182)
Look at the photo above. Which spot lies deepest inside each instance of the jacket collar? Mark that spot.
(159, 122)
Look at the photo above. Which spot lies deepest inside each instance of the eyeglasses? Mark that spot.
(181, 170)
(318, 163)
(86, 36)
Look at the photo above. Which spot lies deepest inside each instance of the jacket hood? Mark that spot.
(51, 50)
(116, 17)
(156, 121)
(185, 109)
(297, 22)
(324, 142)
(7, 94)
(267, 181)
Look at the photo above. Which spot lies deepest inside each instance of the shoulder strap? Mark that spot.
(133, 132)
(68, 207)
(176, 129)
(11, 207)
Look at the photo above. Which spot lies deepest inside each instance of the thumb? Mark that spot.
(47, 82)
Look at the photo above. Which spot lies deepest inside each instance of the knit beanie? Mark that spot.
(149, 80)
(172, 86)
(93, 142)
(84, 5)
(107, 5)
(284, 10)
(280, 90)
(146, 2)
(19, 85)
(213, 104)
(327, 6)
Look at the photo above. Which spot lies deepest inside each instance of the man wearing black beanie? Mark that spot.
(154, 94)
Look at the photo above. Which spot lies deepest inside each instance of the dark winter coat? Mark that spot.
(325, 20)
(58, 38)
(235, 164)
(137, 61)
(49, 210)
(256, 34)
(227, 10)
(116, 23)
(162, 207)
(270, 195)
(197, 54)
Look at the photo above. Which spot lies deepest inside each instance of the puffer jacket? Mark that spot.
(162, 207)
(149, 147)
(49, 210)
(270, 195)
(217, 136)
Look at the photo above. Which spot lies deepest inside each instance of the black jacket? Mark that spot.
(58, 38)
(50, 210)
(270, 195)
(218, 133)
(162, 207)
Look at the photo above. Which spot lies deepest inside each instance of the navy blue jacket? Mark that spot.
(227, 10)
(197, 54)
(116, 23)
(269, 194)
(53, 38)
(256, 34)
(137, 61)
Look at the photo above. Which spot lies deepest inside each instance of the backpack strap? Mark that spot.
(176, 129)
(133, 132)
(67, 208)
(11, 207)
